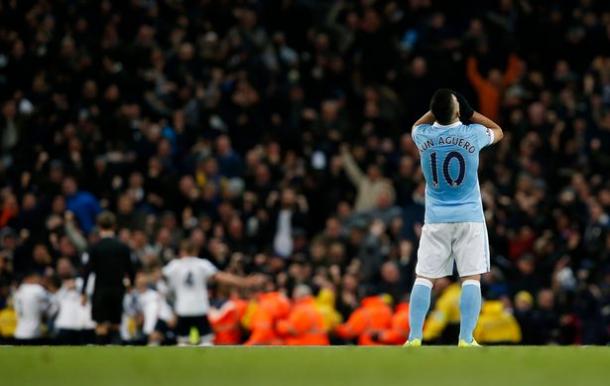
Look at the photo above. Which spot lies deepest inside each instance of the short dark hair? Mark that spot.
(442, 106)
(106, 220)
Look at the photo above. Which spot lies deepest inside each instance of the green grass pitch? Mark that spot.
(292, 366)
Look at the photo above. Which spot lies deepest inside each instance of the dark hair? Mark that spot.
(442, 106)
(106, 220)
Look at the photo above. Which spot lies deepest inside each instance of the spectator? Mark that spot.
(544, 318)
(83, 204)
(229, 161)
(289, 216)
(370, 186)
(490, 89)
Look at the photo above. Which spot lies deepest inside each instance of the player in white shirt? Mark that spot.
(73, 321)
(150, 309)
(32, 304)
(188, 278)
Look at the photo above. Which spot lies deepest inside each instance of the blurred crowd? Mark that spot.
(275, 136)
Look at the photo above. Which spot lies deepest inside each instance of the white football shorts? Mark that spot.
(441, 244)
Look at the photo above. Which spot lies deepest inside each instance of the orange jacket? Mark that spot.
(490, 96)
(305, 324)
(270, 307)
(399, 331)
(6, 214)
(373, 315)
(225, 322)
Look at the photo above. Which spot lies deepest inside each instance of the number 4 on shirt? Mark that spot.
(189, 279)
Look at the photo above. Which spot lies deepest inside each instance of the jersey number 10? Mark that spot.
(446, 162)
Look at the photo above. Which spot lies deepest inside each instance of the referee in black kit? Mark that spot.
(110, 261)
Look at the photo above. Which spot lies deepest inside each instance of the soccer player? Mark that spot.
(454, 229)
(73, 321)
(32, 304)
(110, 260)
(153, 308)
(187, 278)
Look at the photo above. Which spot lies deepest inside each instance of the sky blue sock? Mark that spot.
(418, 307)
(470, 307)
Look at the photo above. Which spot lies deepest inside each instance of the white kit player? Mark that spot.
(73, 320)
(32, 304)
(153, 308)
(188, 278)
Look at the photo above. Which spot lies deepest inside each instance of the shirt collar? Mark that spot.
(449, 126)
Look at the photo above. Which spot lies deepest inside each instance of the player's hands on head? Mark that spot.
(466, 111)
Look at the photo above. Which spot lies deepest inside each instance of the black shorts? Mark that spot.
(185, 323)
(30, 342)
(107, 305)
(68, 337)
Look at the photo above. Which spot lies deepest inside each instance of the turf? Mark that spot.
(290, 366)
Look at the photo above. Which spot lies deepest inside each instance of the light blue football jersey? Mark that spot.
(450, 161)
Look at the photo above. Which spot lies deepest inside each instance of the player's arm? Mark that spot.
(491, 125)
(50, 304)
(426, 119)
(473, 74)
(88, 257)
(130, 270)
(236, 281)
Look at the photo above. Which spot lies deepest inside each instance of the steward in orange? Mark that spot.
(226, 321)
(270, 307)
(305, 324)
(372, 317)
(399, 331)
